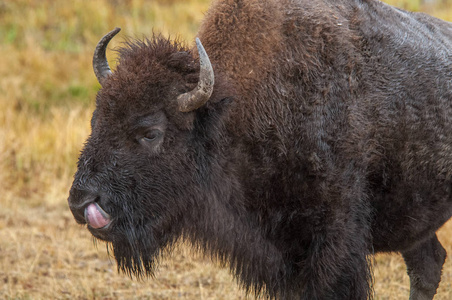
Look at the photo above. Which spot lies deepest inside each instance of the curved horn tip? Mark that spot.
(200, 95)
(100, 63)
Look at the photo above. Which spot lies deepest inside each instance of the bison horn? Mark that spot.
(100, 63)
(200, 94)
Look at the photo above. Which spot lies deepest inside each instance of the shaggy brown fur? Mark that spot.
(327, 138)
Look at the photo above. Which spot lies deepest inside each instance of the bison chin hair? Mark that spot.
(137, 254)
(137, 250)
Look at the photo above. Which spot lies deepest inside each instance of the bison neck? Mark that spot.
(225, 231)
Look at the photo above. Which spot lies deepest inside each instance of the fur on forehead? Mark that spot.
(149, 76)
(152, 54)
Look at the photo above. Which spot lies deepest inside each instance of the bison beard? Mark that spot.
(290, 156)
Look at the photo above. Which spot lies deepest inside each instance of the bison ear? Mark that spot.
(199, 95)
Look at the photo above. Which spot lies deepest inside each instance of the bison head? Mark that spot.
(139, 183)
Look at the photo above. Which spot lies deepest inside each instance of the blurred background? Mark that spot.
(47, 92)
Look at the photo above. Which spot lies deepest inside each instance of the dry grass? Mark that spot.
(46, 93)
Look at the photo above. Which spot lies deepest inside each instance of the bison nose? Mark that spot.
(86, 209)
(78, 201)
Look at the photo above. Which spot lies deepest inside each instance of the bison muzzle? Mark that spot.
(298, 138)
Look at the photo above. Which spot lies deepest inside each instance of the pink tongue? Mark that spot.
(95, 216)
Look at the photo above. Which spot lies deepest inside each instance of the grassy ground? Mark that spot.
(47, 89)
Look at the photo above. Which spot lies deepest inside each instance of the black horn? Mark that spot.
(100, 63)
(199, 95)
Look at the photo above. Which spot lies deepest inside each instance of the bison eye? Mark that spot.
(150, 139)
(148, 131)
(151, 135)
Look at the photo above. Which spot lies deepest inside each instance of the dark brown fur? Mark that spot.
(328, 138)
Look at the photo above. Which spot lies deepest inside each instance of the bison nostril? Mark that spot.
(78, 200)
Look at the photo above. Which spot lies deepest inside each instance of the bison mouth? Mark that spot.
(96, 217)
(132, 238)
(87, 209)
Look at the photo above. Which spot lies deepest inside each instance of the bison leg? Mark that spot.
(353, 283)
(340, 268)
(424, 263)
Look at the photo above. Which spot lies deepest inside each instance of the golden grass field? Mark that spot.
(47, 90)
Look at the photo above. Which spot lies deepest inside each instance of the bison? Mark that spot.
(297, 139)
